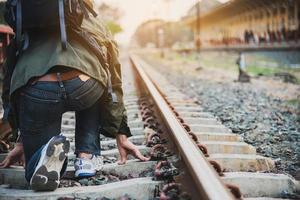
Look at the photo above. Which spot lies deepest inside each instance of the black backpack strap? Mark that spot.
(89, 41)
(62, 23)
(18, 25)
(85, 13)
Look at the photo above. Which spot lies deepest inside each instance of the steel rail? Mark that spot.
(207, 182)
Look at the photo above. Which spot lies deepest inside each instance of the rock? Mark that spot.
(84, 181)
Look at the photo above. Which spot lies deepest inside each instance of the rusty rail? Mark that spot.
(207, 182)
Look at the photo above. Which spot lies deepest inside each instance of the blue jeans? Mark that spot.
(41, 106)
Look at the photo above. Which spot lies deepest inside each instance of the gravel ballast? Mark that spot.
(265, 112)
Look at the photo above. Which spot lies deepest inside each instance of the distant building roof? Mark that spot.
(205, 6)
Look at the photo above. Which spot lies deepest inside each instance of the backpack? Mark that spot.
(24, 15)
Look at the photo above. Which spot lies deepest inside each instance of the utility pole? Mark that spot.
(198, 27)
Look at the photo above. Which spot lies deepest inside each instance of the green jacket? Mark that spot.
(45, 51)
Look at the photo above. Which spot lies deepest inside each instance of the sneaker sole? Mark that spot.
(84, 174)
(46, 177)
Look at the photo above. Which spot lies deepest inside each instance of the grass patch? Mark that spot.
(293, 102)
(270, 71)
(227, 61)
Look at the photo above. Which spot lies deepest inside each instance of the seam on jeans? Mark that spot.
(39, 99)
(92, 88)
(84, 84)
(29, 91)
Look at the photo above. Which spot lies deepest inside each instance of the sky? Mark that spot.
(137, 11)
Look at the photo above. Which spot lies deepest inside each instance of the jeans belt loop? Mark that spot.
(61, 85)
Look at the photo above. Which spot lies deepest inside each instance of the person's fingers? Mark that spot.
(139, 155)
(132, 149)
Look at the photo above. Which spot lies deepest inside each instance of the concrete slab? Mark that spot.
(216, 147)
(13, 176)
(132, 167)
(210, 128)
(224, 137)
(136, 123)
(133, 107)
(69, 114)
(139, 140)
(201, 121)
(137, 131)
(109, 153)
(196, 114)
(68, 121)
(67, 128)
(188, 109)
(130, 98)
(243, 162)
(186, 104)
(133, 139)
(261, 184)
(174, 96)
(139, 188)
(2, 156)
(16, 175)
(185, 101)
(130, 103)
(134, 117)
(133, 111)
(265, 198)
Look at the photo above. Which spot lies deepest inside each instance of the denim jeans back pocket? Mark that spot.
(37, 111)
(86, 95)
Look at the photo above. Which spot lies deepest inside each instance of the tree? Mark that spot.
(114, 27)
(111, 16)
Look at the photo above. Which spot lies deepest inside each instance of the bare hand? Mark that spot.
(126, 147)
(13, 157)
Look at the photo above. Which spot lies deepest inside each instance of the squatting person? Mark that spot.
(44, 81)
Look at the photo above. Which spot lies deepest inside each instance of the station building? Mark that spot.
(245, 22)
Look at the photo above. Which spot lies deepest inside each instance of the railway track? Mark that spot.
(193, 156)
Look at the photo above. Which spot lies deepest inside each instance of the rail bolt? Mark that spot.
(217, 167)
(181, 120)
(193, 136)
(153, 139)
(173, 191)
(165, 170)
(186, 127)
(235, 190)
(203, 149)
(159, 152)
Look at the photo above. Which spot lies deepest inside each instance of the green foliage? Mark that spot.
(173, 33)
(114, 27)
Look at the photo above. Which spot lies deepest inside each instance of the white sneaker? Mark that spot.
(46, 176)
(85, 167)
